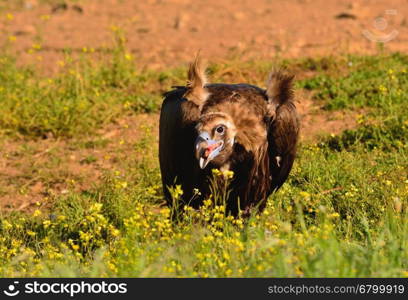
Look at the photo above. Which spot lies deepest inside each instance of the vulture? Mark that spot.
(230, 127)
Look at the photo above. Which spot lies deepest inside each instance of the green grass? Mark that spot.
(369, 83)
(81, 98)
(342, 213)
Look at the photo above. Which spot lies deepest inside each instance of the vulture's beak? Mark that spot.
(207, 149)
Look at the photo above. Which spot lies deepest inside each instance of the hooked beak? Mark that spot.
(207, 149)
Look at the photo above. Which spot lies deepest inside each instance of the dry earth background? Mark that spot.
(163, 34)
(169, 32)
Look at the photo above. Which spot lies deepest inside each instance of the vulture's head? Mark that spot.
(228, 115)
(215, 139)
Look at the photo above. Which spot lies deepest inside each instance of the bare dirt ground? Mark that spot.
(34, 171)
(164, 33)
(169, 32)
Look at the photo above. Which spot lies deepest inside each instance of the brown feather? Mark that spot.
(284, 126)
(280, 87)
(279, 90)
(197, 79)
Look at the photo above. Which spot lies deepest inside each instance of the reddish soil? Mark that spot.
(33, 171)
(169, 32)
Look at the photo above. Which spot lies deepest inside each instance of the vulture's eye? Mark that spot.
(220, 129)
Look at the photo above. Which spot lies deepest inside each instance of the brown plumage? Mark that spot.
(239, 127)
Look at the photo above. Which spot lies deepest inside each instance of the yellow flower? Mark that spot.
(221, 264)
(61, 218)
(207, 202)
(298, 271)
(208, 239)
(122, 184)
(226, 256)
(178, 191)
(335, 215)
(36, 46)
(126, 105)
(46, 223)
(260, 268)
(216, 172)
(114, 28)
(7, 225)
(31, 233)
(382, 89)
(37, 213)
(304, 194)
(45, 17)
(96, 207)
(115, 232)
(228, 174)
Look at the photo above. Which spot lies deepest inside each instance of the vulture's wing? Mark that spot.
(179, 113)
(283, 130)
(176, 138)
